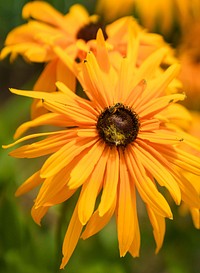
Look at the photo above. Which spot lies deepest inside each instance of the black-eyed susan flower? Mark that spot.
(48, 30)
(75, 33)
(163, 16)
(111, 146)
(189, 55)
(111, 10)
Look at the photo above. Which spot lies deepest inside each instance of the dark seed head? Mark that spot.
(118, 125)
(89, 31)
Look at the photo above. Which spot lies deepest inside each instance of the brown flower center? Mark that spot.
(89, 31)
(118, 125)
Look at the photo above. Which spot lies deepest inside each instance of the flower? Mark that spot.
(118, 143)
(111, 10)
(189, 55)
(162, 16)
(48, 30)
(45, 29)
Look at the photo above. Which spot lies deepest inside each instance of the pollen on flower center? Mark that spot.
(89, 31)
(118, 125)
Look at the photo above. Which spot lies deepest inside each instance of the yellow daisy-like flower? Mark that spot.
(189, 55)
(46, 28)
(163, 15)
(111, 10)
(111, 146)
(75, 33)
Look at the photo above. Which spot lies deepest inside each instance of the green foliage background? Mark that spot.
(28, 248)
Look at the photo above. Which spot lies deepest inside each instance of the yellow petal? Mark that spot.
(110, 182)
(86, 165)
(62, 157)
(158, 224)
(46, 119)
(195, 217)
(32, 182)
(44, 12)
(91, 189)
(97, 222)
(38, 213)
(161, 170)
(125, 210)
(65, 75)
(71, 238)
(146, 187)
(30, 137)
(47, 78)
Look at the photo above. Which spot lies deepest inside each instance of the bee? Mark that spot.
(114, 108)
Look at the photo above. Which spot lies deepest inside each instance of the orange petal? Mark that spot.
(32, 182)
(43, 147)
(97, 222)
(158, 169)
(86, 165)
(44, 12)
(146, 187)
(38, 213)
(110, 182)
(71, 237)
(125, 210)
(91, 189)
(45, 119)
(158, 224)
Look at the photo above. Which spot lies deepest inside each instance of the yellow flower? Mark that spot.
(48, 29)
(163, 15)
(189, 55)
(111, 146)
(111, 10)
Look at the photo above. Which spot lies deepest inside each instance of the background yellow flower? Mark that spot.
(113, 9)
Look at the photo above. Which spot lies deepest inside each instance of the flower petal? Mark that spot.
(32, 182)
(62, 157)
(91, 189)
(146, 186)
(125, 210)
(158, 224)
(110, 182)
(97, 222)
(158, 169)
(86, 165)
(38, 213)
(45, 119)
(71, 237)
(44, 12)
(43, 147)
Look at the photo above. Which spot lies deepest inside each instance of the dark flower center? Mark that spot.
(89, 31)
(118, 125)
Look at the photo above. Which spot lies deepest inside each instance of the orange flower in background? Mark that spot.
(118, 142)
(113, 9)
(163, 16)
(48, 30)
(189, 55)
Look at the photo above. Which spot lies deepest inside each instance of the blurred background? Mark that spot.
(28, 248)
